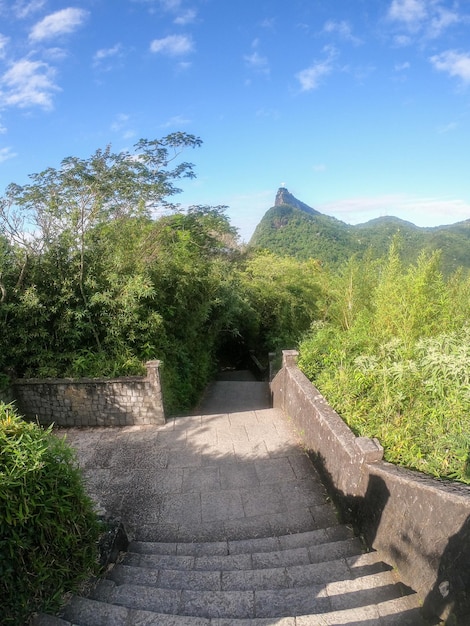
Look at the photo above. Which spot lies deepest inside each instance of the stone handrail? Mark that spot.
(420, 524)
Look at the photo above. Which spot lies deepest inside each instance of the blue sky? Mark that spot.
(360, 107)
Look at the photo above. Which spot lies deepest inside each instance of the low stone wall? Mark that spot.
(93, 401)
(420, 525)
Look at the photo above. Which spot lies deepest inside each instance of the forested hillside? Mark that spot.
(292, 228)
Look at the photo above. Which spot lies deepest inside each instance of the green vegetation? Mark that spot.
(291, 228)
(48, 529)
(94, 284)
(392, 355)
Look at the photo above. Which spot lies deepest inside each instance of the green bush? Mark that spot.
(48, 529)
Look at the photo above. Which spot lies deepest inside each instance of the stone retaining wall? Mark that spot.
(93, 401)
(421, 525)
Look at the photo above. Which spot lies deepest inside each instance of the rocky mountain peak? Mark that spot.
(284, 197)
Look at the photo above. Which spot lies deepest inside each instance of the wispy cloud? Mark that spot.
(186, 17)
(426, 18)
(3, 45)
(104, 57)
(454, 63)
(59, 23)
(122, 125)
(310, 78)
(176, 121)
(422, 211)
(343, 29)
(256, 61)
(173, 45)
(23, 9)
(28, 83)
(6, 154)
(409, 12)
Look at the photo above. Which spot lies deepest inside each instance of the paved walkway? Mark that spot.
(237, 472)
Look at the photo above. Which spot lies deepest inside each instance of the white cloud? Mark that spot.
(310, 77)
(419, 211)
(188, 17)
(103, 57)
(28, 83)
(177, 121)
(23, 9)
(454, 63)
(428, 17)
(440, 21)
(6, 154)
(412, 12)
(257, 62)
(401, 67)
(3, 44)
(343, 29)
(173, 45)
(59, 23)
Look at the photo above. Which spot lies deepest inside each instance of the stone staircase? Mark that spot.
(242, 532)
(320, 577)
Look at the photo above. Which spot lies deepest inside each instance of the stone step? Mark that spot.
(241, 580)
(320, 604)
(243, 546)
(246, 561)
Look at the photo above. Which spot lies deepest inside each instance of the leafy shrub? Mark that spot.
(399, 369)
(48, 528)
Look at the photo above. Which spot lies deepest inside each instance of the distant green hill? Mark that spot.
(293, 228)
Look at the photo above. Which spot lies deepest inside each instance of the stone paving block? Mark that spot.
(194, 580)
(361, 592)
(234, 475)
(206, 531)
(251, 527)
(184, 506)
(201, 479)
(190, 458)
(283, 558)
(147, 618)
(221, 505)
(262, 500)
(147, 598)
(335, 550)
(234, 604)
(212, 548)
(153, 547)
(227, 563)
(285, 602)
(324, 515)
(317, 573)
(303, 539)
(292, 521)
(122, 574)
(274, 471)
(249, 546)
(362, 616)
(155, 532)
(256, 579)
(159, 561)
(88, 612)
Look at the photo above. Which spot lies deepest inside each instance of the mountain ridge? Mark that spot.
(293, 228)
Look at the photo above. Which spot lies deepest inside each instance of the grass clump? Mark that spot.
(48, 528)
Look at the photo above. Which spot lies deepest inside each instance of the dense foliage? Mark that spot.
(93, 283)
(392, 355)
(48, 529)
